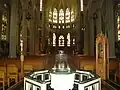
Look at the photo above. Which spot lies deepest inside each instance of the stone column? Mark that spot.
(0, 19)
(8, 25)
(98, 25)
(86, 36)
(78, 17)
(37, 34)
(43, 27)
(32, 35)
(24, 25)
(110, 27)
(91, 37)
(13, 28)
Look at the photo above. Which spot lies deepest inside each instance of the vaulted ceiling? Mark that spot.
(61, 3)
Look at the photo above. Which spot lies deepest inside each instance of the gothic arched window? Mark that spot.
(61, 40)
(118, 27)
(61, 16)
(68, 39)
(72, 16)
(73, 41)
(4, 25)
(55, 15)
(41, 5)
(67, 15)
(50, 16)
(118, 20)
(54, 39)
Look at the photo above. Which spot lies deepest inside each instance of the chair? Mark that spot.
(2, 78)
(12, 73)
(3, 68)
(27, 68)
(89, 67)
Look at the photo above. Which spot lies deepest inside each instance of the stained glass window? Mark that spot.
(54, 26)
(59, 26)
(63, 26)
(50, 16)
(54, 39)
(67, 26)
(4, 26)
(118, 27)
(72, 16)
(41, 5)
(61, 41)
(73, 41)
(55, 15)
(81, 1)
(61, 16)
(67, 15)
(68, 39)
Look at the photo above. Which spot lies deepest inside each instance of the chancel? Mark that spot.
(45, 39)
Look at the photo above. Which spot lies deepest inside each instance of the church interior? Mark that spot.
(33, 31)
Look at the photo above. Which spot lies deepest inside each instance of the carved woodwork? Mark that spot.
(102, 56)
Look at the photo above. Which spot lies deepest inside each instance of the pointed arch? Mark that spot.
(50, 15)
(61, 41)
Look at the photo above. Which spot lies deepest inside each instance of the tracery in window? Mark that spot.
(4, 25)
(41, 5)
(54, 39)
(67, 15)
(50, 16)
(55, 15)
(61, 16)
(68, 39)
(61, 41)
